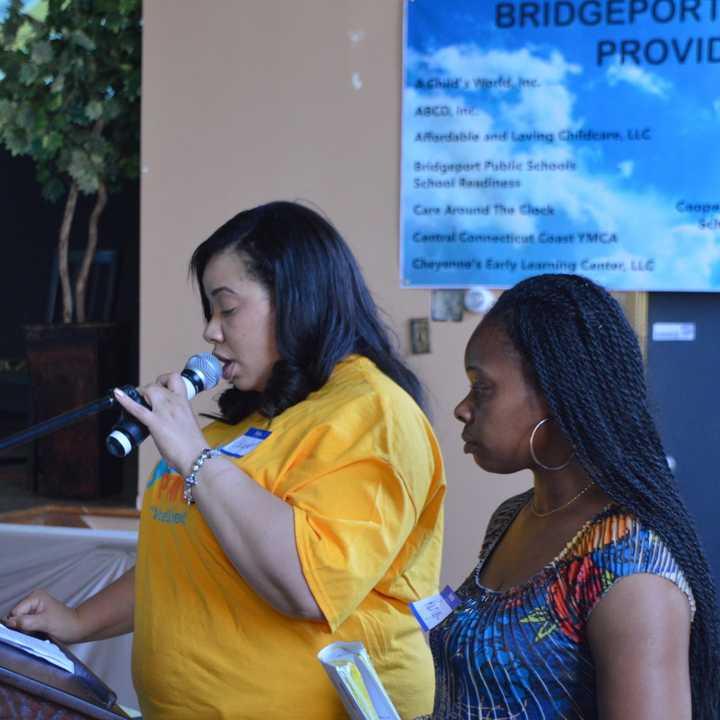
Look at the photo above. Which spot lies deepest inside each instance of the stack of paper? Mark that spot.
(43, 649)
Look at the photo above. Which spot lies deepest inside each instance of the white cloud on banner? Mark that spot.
(626, 168)
(638, 78)
(593, 200)
(470, 61)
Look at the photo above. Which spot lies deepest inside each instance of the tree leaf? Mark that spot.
(94, 110)
(80, 38)
(28, 74)
(42, 53)
(57, 84)
(52, 141)
(84, 172)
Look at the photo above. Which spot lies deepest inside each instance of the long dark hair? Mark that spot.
(582, 354)
(323, 308)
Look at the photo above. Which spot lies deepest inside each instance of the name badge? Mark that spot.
(432, 610)
(248, 441)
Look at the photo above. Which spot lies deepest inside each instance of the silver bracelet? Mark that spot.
(191, 480)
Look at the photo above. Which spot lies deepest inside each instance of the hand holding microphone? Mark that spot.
(163, 409)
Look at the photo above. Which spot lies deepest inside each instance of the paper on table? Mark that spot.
(43, 649)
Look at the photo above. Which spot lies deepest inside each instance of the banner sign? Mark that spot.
(576, 136)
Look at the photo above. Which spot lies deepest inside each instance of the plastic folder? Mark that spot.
(350, 670)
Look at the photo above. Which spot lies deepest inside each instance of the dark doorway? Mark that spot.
(685, 393)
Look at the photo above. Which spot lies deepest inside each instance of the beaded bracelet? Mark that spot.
(191, 480)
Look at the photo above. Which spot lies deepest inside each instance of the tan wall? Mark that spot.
(246, 101)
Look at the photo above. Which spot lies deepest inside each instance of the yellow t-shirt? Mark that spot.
(360, 466)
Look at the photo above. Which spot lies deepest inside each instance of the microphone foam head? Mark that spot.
(210, 367)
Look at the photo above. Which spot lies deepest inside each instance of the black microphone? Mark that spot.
(201, 372)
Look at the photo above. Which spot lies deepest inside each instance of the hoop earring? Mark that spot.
(535, 457)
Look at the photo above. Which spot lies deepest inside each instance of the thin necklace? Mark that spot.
(562, 507)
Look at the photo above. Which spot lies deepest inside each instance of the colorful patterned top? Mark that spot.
(522, 653)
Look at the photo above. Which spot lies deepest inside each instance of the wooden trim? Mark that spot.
(64, 515)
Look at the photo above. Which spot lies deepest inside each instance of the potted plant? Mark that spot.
(70, 100)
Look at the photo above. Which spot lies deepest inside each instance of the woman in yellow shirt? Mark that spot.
(315, 509)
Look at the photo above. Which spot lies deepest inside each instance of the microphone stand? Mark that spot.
(59, 421)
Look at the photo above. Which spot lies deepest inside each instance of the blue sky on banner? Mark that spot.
(629, 188)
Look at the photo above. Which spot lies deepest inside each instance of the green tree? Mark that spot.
(70, 100)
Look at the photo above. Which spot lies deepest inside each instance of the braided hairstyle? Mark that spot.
(582, 354)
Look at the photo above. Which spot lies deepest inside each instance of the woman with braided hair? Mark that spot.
(591, 597)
